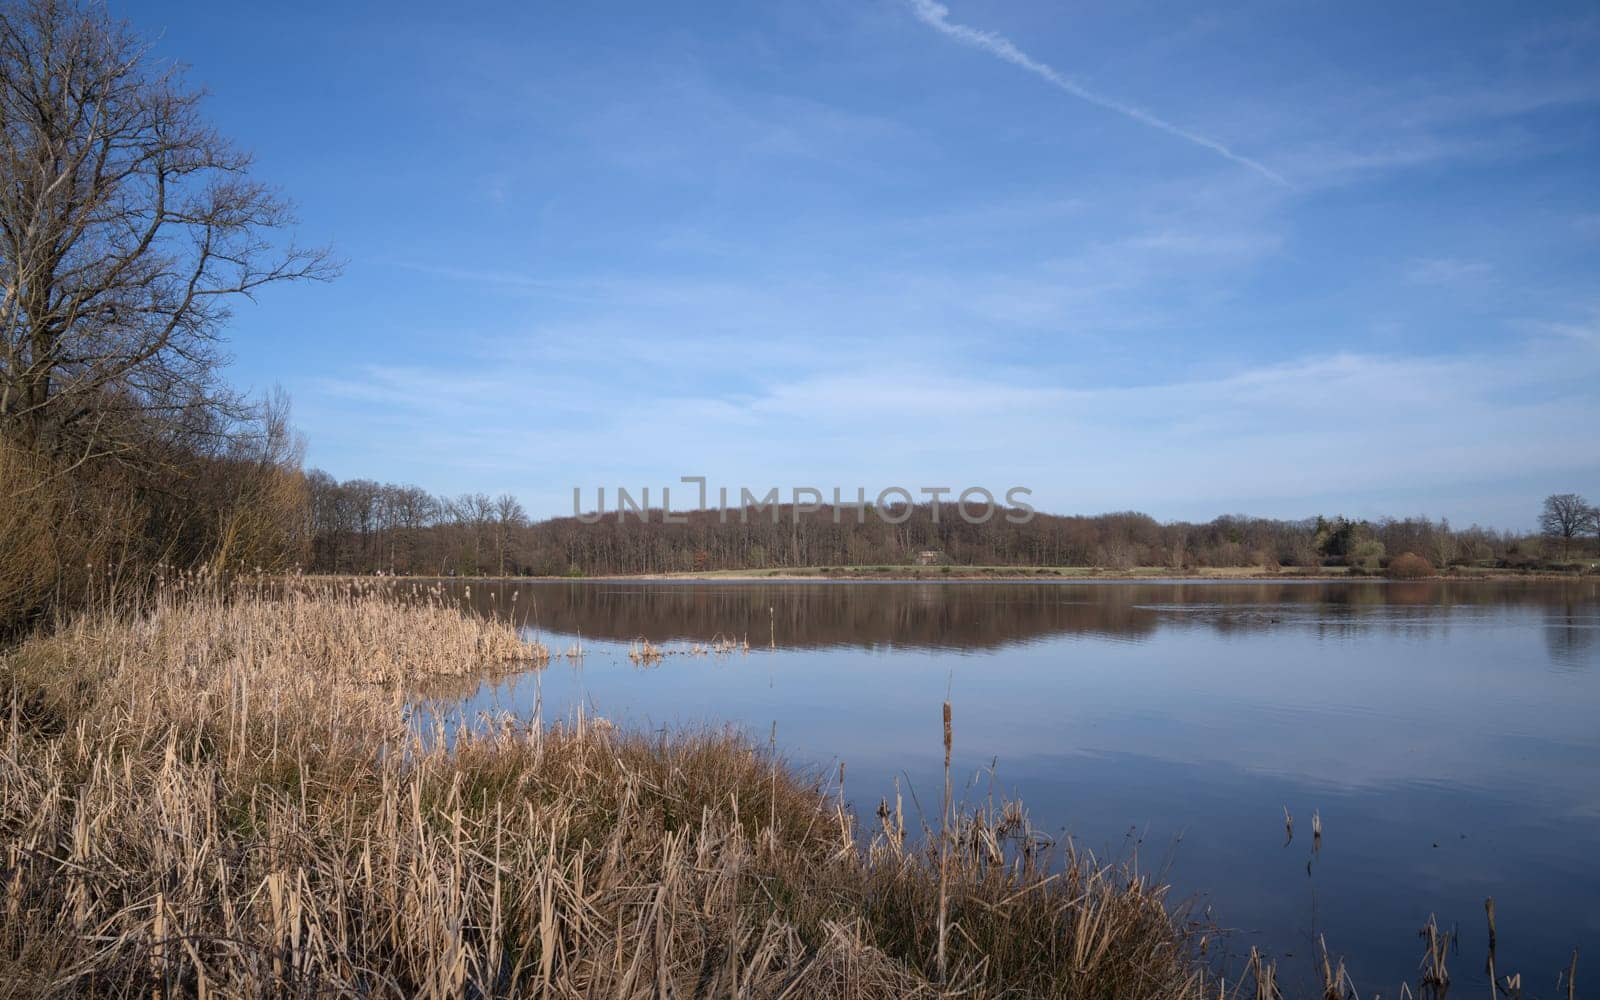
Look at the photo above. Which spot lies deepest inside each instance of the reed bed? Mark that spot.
(223, 796)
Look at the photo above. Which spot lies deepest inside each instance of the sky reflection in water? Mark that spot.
(1447, 733)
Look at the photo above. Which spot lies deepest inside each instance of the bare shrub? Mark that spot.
(64, 534)
(1410, 566)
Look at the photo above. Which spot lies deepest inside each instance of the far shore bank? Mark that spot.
(1005, 574)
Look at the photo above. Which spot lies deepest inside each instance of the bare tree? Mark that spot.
(258, 497)
(509, 516)
(473, 515)
(127, 225)
(1564, 516)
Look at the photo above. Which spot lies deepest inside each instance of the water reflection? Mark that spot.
(1445, 732)
(1570, 633)
(976, 616)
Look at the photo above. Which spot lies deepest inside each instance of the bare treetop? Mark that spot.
(1564, 516)
(127, 225)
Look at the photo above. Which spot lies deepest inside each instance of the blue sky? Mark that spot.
(1277, 258)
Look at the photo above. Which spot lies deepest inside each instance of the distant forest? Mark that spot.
(361, 526)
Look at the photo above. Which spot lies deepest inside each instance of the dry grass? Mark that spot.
(224, 797)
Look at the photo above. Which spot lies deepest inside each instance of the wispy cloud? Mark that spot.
(937, 16)
(1446, 271)
(1585, 331)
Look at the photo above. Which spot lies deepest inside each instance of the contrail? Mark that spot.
(937, 16)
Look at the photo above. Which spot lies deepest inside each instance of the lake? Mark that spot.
(1446, 733)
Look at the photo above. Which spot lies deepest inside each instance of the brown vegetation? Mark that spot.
(58, 533)
(1410, 566)
(72, 536)
(215, 798)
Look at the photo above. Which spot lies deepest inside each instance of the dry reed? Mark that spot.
(222, 796)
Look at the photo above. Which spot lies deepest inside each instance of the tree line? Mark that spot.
(362, 526)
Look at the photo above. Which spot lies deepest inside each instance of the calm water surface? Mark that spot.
(1447, 733)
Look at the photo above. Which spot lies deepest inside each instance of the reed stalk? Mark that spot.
(944, 852)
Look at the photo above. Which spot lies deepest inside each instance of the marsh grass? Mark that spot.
(221, 795)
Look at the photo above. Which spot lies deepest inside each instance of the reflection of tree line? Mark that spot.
(1572, 632)
(801, 615)
(986, 616)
